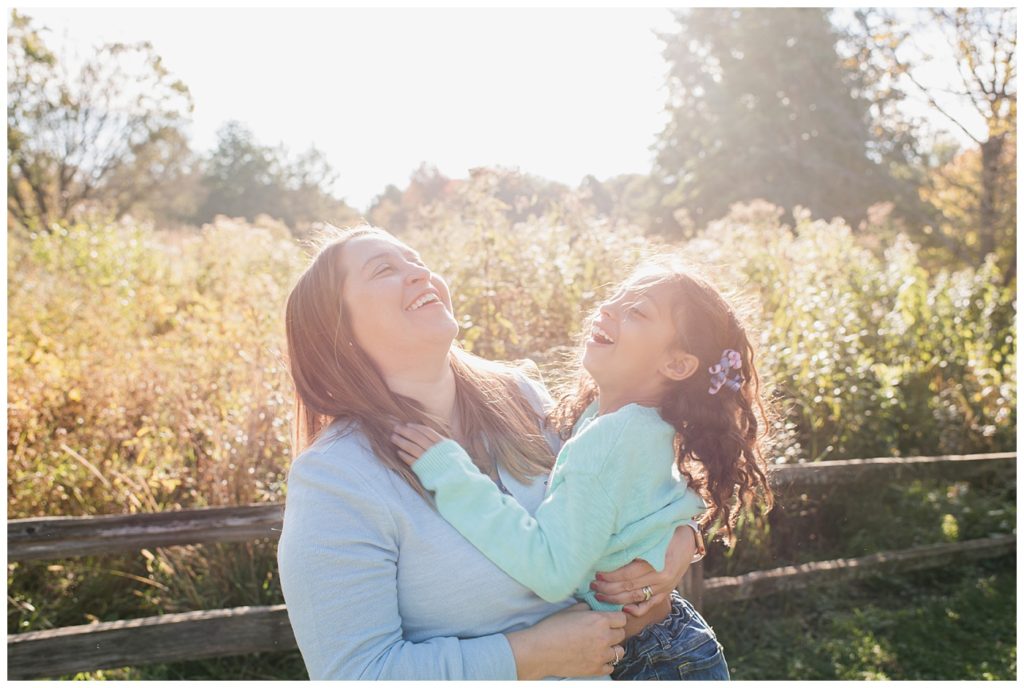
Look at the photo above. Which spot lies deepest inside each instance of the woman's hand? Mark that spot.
(413, 440)
(574, 642)
(625, 585)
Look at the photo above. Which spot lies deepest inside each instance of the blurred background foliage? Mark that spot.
(874, 260)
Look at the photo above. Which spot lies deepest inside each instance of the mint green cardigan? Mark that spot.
(614, 495)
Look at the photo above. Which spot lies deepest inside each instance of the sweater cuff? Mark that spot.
(488, 658)
(433, 463)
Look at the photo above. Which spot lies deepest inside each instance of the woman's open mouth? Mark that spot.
(425, 300)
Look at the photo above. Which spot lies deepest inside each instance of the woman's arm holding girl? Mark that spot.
(340, 583)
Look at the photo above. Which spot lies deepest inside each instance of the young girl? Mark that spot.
(668, 390)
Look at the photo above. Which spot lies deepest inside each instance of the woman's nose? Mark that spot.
(417, 273)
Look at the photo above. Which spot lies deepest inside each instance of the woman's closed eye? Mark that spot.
(383, 269)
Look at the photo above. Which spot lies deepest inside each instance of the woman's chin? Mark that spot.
(445, 326)
(441, 330)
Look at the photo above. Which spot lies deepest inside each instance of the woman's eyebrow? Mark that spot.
(388, 254)
(383, 254)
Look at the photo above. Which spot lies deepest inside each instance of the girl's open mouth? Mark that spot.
(599, 336)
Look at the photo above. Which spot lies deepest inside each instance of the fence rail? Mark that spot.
(166, 638)
(56, 537)
(785, 578)
(953, 467)
(224, 632)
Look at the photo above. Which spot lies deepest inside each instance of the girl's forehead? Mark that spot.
(649, 286)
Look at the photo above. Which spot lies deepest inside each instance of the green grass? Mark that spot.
(950, 623)
(277, 666)
(957, 623)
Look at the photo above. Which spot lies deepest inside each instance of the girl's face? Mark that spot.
(398, 309)
(632, 344)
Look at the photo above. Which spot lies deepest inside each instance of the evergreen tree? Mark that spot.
(762, 106)
(244, 178)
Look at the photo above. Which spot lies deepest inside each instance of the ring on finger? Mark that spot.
(618, 659)
(648, 593)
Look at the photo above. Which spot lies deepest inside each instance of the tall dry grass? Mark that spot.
(145, 367)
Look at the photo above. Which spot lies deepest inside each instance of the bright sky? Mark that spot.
(560, 93)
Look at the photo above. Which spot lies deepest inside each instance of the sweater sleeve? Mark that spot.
(338, 559)
(657, 528)
(550, 552)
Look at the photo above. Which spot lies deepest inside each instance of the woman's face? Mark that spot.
(399, 309)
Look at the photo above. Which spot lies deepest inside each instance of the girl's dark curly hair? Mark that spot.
(718, 436)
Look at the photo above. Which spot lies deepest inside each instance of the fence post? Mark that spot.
(692, 585)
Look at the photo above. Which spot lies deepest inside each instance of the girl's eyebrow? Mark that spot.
(642, 296)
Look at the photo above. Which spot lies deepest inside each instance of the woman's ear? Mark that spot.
(679, 365)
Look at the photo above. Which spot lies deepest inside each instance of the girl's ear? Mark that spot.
(679, 365)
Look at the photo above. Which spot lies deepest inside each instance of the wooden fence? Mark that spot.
(242, 630)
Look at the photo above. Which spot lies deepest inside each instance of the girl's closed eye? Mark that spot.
(382, 270)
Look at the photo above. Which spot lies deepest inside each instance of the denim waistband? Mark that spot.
(660, 631)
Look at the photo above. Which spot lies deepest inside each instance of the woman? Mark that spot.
(378, 585)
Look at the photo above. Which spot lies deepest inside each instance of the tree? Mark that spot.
(71, 132)
(518, 195)
(395, 209)
(162, 181)
(954, 189)
(762, 106)
(631, 199)
(238, 176)
(244, 178)
(386, 210)
(983, 42)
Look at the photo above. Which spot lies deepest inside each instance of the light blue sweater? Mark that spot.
(379, 586)
(614, 496)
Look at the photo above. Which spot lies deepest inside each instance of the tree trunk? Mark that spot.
(1011, 270)
(991, 152)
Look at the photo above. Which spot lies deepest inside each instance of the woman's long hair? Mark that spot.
(335, 379)
(717, 442)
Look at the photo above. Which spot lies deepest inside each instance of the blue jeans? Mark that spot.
(682, 647)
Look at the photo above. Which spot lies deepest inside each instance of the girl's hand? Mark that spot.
(574, 642)
(413, 440)
(625, 585)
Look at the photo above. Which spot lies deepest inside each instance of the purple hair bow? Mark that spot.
(725, 373)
